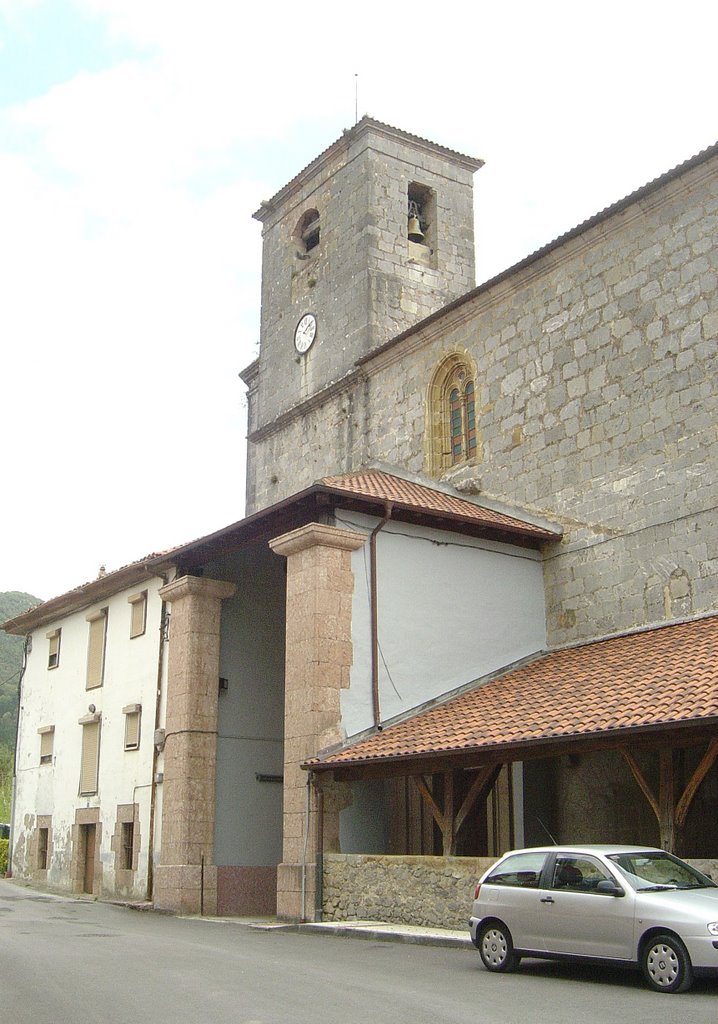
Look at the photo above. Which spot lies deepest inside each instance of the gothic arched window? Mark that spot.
(452, 415)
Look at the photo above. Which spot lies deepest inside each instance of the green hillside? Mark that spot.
(11, 603)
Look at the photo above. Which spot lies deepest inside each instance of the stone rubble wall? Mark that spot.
(428, 891)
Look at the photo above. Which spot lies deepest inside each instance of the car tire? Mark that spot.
(496, 948)
(666, 964)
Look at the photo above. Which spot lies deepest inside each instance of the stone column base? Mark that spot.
(295, 901)
(186, 888)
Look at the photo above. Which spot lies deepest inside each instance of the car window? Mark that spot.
(521, 869)
(660, 870)
(578, 874)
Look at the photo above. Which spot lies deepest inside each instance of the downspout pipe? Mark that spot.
(376, 709)
(155, 750)
(26, 648)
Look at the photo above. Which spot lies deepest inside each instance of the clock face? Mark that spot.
(305, 332)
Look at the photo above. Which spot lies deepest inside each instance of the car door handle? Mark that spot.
(547, 899)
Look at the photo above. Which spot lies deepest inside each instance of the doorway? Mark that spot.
(88, 840)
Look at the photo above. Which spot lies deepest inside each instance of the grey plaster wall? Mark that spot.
(596, 407)
(451, 609)
(248, 824)
(362, 824)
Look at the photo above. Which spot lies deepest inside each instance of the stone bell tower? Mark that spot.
(373, 236)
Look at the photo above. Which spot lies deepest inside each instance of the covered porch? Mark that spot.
(611, 741)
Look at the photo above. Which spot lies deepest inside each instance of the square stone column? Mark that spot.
(320, 584)
(186, 877)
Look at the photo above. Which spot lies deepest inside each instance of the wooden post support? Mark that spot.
(448, 820)
(671, 816)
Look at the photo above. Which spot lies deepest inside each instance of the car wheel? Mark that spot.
(666, 964)
(496, 948)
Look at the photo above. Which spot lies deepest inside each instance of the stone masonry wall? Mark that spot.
(429, 891)
(363, 281)
(596, 408)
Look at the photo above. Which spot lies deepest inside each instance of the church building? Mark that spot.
(473, 603)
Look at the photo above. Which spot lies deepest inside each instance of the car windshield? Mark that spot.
(656, 872)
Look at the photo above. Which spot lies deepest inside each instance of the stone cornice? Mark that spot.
(197, 586)
(316, 535)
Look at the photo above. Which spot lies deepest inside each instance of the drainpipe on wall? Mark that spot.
(319, 887)
(26, 648)
(307, 806)
(375, 617)
(155, 749)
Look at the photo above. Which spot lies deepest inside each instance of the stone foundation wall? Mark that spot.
(430, 891)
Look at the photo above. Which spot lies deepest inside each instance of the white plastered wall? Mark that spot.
(58, 697)
(451, 609)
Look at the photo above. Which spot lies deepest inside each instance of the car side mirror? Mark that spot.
(609, 888)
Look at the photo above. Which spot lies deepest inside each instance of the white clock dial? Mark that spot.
(305, 332)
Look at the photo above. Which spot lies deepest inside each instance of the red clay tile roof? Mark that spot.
(658, 677)
(377, 484)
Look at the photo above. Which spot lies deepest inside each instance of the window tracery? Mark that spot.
(452, 415)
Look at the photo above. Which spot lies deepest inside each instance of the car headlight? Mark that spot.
(713, 927)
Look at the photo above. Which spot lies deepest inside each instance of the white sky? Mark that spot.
(137, 137)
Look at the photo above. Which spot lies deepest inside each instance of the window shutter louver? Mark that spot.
(96, 651)
(53, 658)
(132, 730)
(90, 758)
(46, 746)
(139, 609)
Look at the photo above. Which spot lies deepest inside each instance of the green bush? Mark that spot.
(3, 856)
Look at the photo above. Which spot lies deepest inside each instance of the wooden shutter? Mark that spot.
(90, 758)
(53, 658)
(132, 730)
(96, 650)
(139, 613)
(47, 737)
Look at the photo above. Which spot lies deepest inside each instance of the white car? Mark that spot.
(620, 905)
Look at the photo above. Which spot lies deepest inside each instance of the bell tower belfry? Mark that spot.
(370, 238)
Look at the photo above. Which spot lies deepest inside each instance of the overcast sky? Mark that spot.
(137, 137)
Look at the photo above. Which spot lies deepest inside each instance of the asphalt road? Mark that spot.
(65, 961)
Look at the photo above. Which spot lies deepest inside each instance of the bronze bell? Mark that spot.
(415, 233)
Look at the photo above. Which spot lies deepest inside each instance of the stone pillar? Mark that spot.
(320, 584)
(186, 877)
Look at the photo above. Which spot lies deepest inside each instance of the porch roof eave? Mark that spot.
(663, 734)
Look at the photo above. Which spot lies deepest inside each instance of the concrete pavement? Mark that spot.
(377, 930)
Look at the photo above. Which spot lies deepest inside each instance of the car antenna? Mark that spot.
(546, 831)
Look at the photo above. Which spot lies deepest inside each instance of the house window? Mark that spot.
(53, 654)
(47, 742)
(90, 758)
(127, 845)
(307, 232)
(133, 714)
(138, 614)
(96, 648)
(453, 437)
(43, 837)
